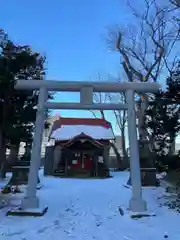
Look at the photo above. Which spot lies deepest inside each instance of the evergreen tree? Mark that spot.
(163, 116)
(17, 108)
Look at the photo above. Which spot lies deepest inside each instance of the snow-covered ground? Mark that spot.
(88, 210)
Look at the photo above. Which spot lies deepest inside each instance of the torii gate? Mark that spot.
(31, 202)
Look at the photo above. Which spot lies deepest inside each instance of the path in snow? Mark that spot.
(88, 210)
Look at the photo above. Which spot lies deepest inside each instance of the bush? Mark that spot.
(167, 162)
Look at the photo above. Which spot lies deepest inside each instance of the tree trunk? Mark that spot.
(119, 160)
(141, 118)
(27, 153)
(14, 150)
(2, 155)
(172, 148)
(3, 140)
(125, 155)
(146, 155)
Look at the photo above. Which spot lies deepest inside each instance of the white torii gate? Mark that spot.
(31, 202)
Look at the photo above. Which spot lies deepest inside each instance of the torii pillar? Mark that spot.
(30, 204)
(136, 204)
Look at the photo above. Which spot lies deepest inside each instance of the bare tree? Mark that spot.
(146, 49)
(120, 117)
(121, 121)
(101, 98)
(175, 8)
(175, 3)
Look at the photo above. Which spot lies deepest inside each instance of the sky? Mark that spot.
(71, 33)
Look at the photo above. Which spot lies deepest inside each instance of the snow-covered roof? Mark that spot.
(96, 132)
(68, 128)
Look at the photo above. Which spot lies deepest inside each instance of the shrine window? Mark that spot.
(74, 162)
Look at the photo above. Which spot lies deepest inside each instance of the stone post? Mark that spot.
(31, 200)
(106, 157)
(137, 204)
(49, 161)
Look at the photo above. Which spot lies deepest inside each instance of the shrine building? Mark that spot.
(78, 147)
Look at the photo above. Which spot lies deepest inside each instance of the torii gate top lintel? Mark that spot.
(76, 86)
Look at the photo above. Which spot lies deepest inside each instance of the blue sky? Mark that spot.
(72, 35)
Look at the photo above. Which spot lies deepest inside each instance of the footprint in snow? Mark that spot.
(98, 220)
(56, 223)
(42, 230)
(11, 234)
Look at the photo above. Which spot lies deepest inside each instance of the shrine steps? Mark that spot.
(105, 172)
(81, 173)
(59, 172)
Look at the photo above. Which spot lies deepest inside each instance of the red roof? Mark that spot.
(80, 121)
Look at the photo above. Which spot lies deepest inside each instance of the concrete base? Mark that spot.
(30, 202)
(36, 212)
(138, 215)
(127, 186)
(137, 205)
(39, 186)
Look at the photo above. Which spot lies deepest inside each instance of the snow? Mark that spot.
(4, 182)
(161, 175)
(67, 132)
(88, 209)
